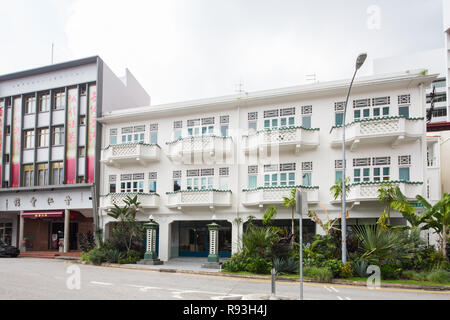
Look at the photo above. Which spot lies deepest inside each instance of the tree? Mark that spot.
(437, 217)
(386, 195)
(290, 202)
(128, 231)
(327, 226)
(336, 190)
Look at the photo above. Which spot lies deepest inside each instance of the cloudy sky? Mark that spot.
(189, 49)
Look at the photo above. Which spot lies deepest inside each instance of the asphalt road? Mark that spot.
(29, 278)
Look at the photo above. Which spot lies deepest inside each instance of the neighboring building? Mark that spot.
(50, 148)
(231, 157)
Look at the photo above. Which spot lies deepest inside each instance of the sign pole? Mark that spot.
(302, 205)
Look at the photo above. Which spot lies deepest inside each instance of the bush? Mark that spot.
(259, 265)
(440, 276)
(334, 265)
(390, 272)
(289, 265)
(318, 274)
(236, 263)
(413, 275)
(96, 256)
(360, 268)
(87, 242)
(346, 270)
(113, 255)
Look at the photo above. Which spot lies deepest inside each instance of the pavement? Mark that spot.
(37, 279)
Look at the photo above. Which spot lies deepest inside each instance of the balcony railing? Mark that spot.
(391, 130)
(199, 198)
(368, 191)
(289, 138)
(202, 149)
(132, 153)
(147, 200)
(274, 195)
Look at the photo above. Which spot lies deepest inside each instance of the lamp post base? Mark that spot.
(212, 265)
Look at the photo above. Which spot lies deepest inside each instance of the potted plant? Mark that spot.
(24, 245)
(61, 246)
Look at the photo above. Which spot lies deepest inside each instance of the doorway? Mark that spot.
(57, 233)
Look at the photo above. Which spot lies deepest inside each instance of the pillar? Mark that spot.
(21, 232)
(213, 229)
(66, 230)
(164, 240)
(237, 229)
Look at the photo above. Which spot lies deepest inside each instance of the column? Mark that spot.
(66, 230)
(151, 228)
(164, 240)
(237, 230)
(21, 232)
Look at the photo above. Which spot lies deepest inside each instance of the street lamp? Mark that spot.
(359, 62)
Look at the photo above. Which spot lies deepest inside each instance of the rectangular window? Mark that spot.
(403, 174)
(43, 137)
(28, 136)
(306, 179)
(28, 176)
(357, 114)
(223, 183)
(57, 136)
(176, 185)
(376, 112)
(338, 176)
(42, 174)
(252, 182)
(385, 111)
(81, 152)
(339, 119)
(44, 103)
(153, 137)
(59, 100)
(224, 130)
(82, 120)
(112, 186)
(306, 122)
(403, 111)
(366, 113)
(80, 179)
(357, 175)
(8, 130)
(252, 127)
(57, 173)
(30, 105)
(6, 158)
(152, 186)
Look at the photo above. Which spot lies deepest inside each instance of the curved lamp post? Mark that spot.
(359, 62)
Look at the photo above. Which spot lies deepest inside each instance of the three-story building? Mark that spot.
(227, 158)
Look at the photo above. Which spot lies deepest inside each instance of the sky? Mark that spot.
(191, 49)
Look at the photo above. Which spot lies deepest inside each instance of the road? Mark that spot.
(29, 278)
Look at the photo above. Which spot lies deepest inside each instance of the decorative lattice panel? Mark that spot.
(153, 175)
(287, 112)
(207, 121)
(192, 173)
(154, 127)
(361, 103)
(279, 136)
(113, 132)
(379, 127)
(112, 178)
(177, 174)
(271, 113)
(404, 160)
(225, 119)
(224, 171)
(381, 101)
(177, 124)
(125, 177)
(124, 150)
(338, 164)
(307, 110)
(404, 99)
(207, 172)
(287, 167)
(381, 161)
(252, 116)
(339, 106)
(138, 176)
(270, 168)
(139, 128)
(193, 123)
(307, 166)
(253, 169)
(127, 130)
(361, 162)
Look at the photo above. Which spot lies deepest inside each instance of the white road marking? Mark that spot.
(348, 298)
(102, 283)
(335, 290)
(340, 298)
(328, 289)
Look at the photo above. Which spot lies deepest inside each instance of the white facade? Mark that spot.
(302, 149)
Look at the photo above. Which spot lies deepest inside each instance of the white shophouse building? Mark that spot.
(231, 157)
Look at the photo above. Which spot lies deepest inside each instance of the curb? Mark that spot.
(268, 278)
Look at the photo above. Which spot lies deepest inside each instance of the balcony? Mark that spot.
(147, 200)
(392, 130)
(132, 154)
(286, 139)
(199, 198)
(274, 195)
(202, 149)
(368, 191)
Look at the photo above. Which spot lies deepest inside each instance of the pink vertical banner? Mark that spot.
(91, 126)
(71, 143)
(2, 111)
(16, 143)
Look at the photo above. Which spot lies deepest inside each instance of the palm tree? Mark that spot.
(290, 202)
(336, 190)
(387, 195)
(437, 217)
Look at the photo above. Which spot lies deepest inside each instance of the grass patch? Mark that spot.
(429, 283)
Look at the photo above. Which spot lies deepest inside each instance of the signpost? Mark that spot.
(302, 206)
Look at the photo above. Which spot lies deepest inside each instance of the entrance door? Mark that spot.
(57, 233)
(6, 232)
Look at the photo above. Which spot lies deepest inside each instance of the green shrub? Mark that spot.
(360, 268)
(134, 256)
(259, 265)
(334, 265)
(390, 272)
(414, 275)
(319, 274)
(346, 270)
(113, 255)
(289, 265)
(236, 263)
(96, 256)
(87, 241)
(440, 276)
